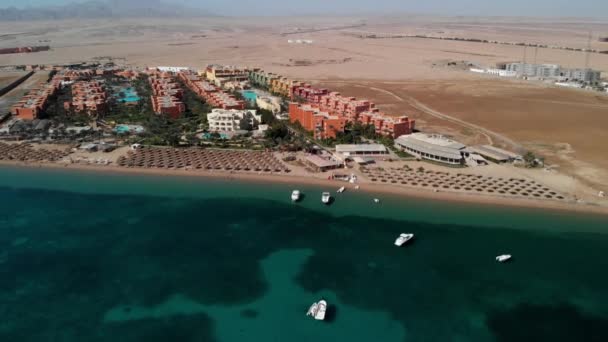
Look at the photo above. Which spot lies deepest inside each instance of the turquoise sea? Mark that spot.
(105, 257)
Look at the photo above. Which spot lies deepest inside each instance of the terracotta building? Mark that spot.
(75, 75)
(128, 74)
(211, 93)
(388, 125)
(34, 103)
(88, 97)
(167, 95)
(322, 124)
(331, 109)
(168, 105)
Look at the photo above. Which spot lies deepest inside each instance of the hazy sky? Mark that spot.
(594, 8)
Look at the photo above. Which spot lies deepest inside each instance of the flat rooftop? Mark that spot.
(432, 144)
(321, 162)
(352, 148)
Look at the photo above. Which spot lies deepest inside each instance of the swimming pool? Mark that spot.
(249, 95)
(207, 136)
(122, 129)
(130, 95)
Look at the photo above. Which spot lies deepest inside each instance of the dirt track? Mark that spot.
(568, 127)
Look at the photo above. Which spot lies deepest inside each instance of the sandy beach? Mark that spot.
(365, 186)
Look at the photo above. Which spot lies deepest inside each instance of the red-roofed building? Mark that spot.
(211, 93)
(33, 104)
(166, 95)
(322, 124)
(88, 97)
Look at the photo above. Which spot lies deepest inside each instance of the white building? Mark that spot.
(501, 72)
(569, 84)
(534, 70)
(230, 120)
(433, 147)
(271, 103)
(351, 150)
(172, 69)
(554, 71)
(495, 72)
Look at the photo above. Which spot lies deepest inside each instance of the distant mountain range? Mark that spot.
(102, 9)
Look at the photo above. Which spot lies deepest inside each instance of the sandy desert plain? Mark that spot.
(402, 75)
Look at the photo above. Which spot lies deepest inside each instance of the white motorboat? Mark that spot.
(376, 200)
(295, 195)
(503, 258)
(312, 311)
(356, 187)
(341, 190)
(326, 197)
(321, 309)
(403, 238)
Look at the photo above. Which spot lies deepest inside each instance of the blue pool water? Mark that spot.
(128, 129)
(130, 95)
(207, 136)
(249, 95)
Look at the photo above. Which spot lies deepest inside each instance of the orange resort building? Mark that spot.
(332, 113)
(322, 124)
(327, 111)
(211, 93)
(128, 74)
(88, 97)
(34, 103)
(166, 95)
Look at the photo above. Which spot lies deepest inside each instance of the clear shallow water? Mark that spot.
(96, 257)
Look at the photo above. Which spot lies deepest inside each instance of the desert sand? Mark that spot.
(334, 53)
(565, 126)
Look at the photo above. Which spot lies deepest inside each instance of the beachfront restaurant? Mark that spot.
(432, 147)
(361, 150)
(495, 154)
(322, 164)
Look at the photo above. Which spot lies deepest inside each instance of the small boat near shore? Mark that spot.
(403, 239)
(325, 197)
(504, 258)
(295, 195)
(376, 200)
(341, 190)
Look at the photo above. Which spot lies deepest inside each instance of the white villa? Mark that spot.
(230, 120)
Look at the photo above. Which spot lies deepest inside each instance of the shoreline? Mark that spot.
(366, 187)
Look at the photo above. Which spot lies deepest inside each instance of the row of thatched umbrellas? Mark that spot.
(461, 182)
(25, 152)
(203, 159)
